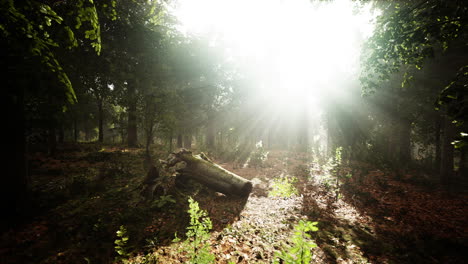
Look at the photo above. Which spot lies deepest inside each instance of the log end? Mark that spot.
(246, 189)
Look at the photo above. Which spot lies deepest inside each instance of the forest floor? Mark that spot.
(87, 192)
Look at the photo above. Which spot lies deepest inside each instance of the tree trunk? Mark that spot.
(210, 135)
(201, 169)
(51, 138)
(437, 142)
(463, 169)
(405, 142)
(179, 141)
(14, 187)
(188, 141)
(170, 138)
(75, 129)
(446, 168)
(132, 139)
(101, 121)
(61, 134)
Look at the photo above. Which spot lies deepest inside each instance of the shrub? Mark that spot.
(283, 187)
(299, 252)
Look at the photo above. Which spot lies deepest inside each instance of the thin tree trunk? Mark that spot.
(438, 150)
(405, 142)
(61, 134)
(51, 138)
(75, 129)
(101, 121)
(179, 141)
(188, 141)
(463, 169)
(446, 168)
(170, 141)
(132, 139)
(210, 134)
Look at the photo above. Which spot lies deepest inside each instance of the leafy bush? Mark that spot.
(258, 155)
(121, 243)
(300, 253)
(197, 235)
(163, 200)
(283, 187)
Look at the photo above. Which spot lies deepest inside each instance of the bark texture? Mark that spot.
(203, 170)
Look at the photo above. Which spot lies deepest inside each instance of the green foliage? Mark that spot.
(163, 200)
(121, 243)
(406, 34)
(283, 187)
(258, 156)
(455, 99)
(198, 235)
(333, 174)
(299, 252)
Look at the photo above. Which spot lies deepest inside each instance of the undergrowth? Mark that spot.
(283, 187)
(299, 252)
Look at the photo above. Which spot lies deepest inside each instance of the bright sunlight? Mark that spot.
(300, 51)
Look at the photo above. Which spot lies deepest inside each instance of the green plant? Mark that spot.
(299, 252)
(121, 243)
(283, 187)
(333, 173)
(198, 234)
(163, 200)
(258, 155)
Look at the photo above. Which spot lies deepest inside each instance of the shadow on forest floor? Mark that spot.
(389, 221)
(84, 194)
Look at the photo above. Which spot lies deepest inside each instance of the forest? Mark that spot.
(221, 131)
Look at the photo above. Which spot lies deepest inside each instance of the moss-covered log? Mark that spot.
(203, 170)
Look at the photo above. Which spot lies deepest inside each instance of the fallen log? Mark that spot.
(203, 170)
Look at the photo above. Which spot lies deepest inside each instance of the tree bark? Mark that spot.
(463, 169)
(75, 129)
(51, 138)
(201, 169)
(14, 187)
(438, 150)
(132, 138)
(210, 132)
(101, 121)
(446, 168)
(179, 141)
(188, 141)
(405, 141)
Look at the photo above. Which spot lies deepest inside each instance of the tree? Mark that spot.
(32, 34)
(408, 36)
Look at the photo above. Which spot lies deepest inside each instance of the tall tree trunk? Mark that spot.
(437, 142)
(132, 139)
(51, 138)
(14, 187)
(446, 168)
(170, 138)
(179, 141)
(405, 141)
(75, 129)
(61, 134)
(210, 133)
(188, 141)
(149, 140)
(463, 168)
(101, 120)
